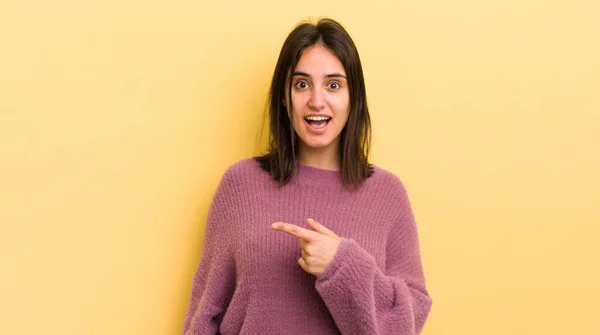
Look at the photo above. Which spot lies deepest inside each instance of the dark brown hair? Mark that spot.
(355, 140)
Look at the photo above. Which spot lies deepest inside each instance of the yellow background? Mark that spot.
(117, 119)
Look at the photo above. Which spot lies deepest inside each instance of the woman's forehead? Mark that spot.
(318, 61)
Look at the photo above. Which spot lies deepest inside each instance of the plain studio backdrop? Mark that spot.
(117, 119)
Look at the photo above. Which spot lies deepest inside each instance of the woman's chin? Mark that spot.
(319, 144)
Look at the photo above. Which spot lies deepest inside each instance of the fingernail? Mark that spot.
(274, 225)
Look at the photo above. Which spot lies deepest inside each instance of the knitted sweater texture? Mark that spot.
(248, 280)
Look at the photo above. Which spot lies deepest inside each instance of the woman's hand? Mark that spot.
(318, 245)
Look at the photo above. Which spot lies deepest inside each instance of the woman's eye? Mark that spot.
(301, 85)
(334, 85)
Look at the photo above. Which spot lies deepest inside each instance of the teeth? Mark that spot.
(316, 118)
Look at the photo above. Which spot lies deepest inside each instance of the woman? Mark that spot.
(267, 267)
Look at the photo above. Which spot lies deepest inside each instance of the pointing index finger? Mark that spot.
(294, 230)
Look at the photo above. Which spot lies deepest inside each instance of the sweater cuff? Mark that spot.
(349, 256)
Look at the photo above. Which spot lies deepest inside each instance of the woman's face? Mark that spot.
(320, 99)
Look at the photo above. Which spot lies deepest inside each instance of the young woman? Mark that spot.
(310, 238)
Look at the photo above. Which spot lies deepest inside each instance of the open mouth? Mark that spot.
(317, 121)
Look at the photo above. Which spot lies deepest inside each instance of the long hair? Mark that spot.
(281, 159)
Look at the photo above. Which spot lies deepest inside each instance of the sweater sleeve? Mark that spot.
(214, 280)
(364, 299)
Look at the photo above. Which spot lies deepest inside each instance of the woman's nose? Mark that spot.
(317, 99)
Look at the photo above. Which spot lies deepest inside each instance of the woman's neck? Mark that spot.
(323, 158)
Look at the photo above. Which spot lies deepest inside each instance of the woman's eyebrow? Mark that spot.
(331, 75)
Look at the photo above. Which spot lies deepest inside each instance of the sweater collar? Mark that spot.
(316, 176)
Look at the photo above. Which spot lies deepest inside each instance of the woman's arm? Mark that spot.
(364, 299)
(214, 281)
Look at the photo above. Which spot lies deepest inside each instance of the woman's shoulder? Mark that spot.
(243, 165)
(386, 178)
(243, 169)
(391, 191)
